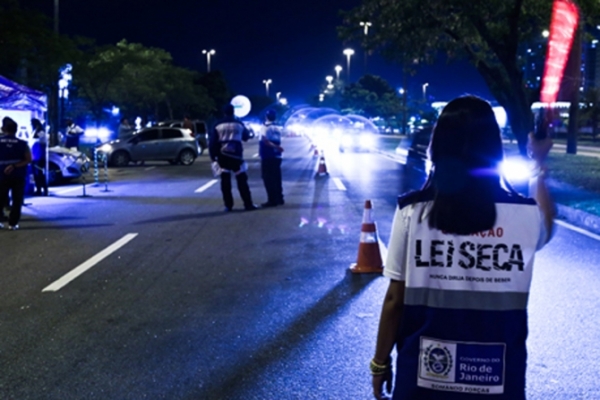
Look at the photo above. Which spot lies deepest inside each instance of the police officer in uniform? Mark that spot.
(226, 148)
(270, 155)
(15, 156)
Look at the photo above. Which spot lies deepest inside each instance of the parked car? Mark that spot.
(64, 163)
(175, 145)
(200, 132)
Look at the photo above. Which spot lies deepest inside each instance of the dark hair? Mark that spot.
(228, 110)
(466, 150)
(271, 115)
(9, 125)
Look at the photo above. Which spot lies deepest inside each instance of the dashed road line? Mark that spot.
(73, 274)
(577, 229)
(206, 186)
(149, 168)
(339, 184)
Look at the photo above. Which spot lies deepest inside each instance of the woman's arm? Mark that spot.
(389, 322)
(538, 151)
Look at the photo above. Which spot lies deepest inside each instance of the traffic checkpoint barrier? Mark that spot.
(105, 159)
(84, 171)
(369, 254)
(96, 174)
(321, 167)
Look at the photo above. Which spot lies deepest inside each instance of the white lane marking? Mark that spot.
(74, 189)
(339, 184)
(206, 186)
(577, 229)
(149, 168)
(60, 283)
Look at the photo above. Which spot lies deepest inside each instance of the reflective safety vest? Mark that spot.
(464, 326)
(12, 151)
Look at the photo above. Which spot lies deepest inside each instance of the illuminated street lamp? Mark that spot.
(338, 69)
(208, 54)
(348, 53)
(278, 95)
(267, 82)
(425, 91)
(545, 33)
(366, 25)
(329, 79)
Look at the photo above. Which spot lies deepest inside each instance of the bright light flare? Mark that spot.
(100, 133)
(105, 148)
(517, 169)
(366, 141)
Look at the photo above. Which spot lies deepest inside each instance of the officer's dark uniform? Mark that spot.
(271, 163)
(12, 151)
(226, 148)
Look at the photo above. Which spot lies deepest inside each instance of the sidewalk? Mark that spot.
(576, 206)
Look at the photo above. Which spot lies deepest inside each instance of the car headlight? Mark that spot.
(366, 141)
(105, 148)
(346, 141)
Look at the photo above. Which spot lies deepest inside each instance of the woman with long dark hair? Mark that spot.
(460, 261)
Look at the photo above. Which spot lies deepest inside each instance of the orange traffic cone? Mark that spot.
(322, 168)
(369, 255)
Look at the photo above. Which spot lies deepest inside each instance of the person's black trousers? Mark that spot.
(232, 165)
(16, 187)
(39, 177)
(271, 175)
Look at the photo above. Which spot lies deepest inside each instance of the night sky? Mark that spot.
(293, 43)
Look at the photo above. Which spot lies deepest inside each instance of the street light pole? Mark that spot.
(348, 53)
(208, 54)
(56, 16)
(338, 69)
(267, 82)
(425, 92)
(366, 26)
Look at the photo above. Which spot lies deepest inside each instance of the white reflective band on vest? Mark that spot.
(474, 267)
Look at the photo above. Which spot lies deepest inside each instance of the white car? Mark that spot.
(64, 163)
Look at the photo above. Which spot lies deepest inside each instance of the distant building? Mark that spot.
(590, 64)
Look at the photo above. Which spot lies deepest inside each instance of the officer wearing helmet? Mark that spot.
(270, 155)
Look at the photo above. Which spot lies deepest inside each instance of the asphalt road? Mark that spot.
(172, 298)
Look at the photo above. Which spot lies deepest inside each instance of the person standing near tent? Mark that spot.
(38, 154)
(15, 156)
(74, 132)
